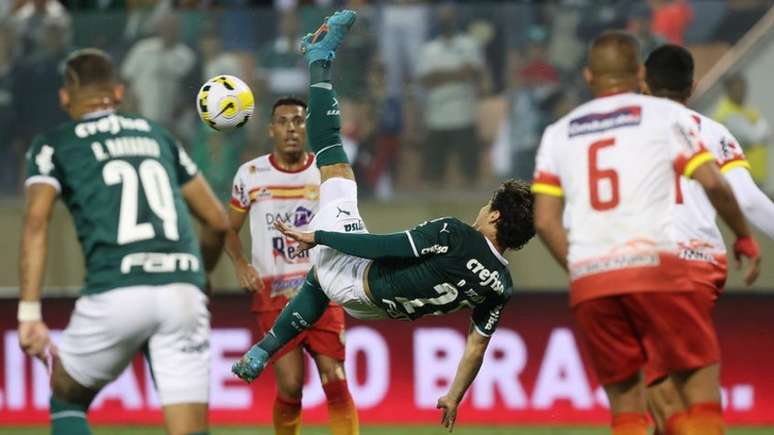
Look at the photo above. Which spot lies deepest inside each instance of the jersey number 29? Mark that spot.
(158, 193)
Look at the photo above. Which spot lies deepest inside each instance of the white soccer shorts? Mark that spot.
(106, 331)
(340, 275)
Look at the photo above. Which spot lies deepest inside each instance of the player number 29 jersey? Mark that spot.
(120, 177)
(617, 161)
(270, 194)
(455, 267)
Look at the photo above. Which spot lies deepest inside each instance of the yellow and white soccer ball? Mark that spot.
(225, 102)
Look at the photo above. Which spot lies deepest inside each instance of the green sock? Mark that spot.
(324, 122)
(68, 418)
(300, 313)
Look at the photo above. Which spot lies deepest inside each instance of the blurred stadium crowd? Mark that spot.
(480, 79)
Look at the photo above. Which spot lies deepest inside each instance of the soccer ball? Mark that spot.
(225, 102)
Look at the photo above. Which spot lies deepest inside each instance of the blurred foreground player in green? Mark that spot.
(130, 189)
(438, 267)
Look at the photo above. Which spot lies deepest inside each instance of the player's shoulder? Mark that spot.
(709, 125)
(718, 139)
(613, 111)
(255, 166)
(449, 228)
(62, 131)
(448, 222)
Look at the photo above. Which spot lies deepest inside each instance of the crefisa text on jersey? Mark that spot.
(112, 124)
(487, 277)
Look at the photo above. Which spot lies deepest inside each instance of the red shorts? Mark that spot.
(710, 276)
(326, 337)
(670, 331)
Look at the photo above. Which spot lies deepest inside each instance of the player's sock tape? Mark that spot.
(68, 418)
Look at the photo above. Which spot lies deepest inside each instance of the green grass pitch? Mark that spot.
(373, 430)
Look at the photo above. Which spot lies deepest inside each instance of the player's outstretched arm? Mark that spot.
(756, 206)
(33, 333)
(722, 198)
(363, 245)
(246, 274)
(548, 225)
(471, 361)
(208, 210)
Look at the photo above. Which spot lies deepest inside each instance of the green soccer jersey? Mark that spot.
(120, 178)
(438, 267)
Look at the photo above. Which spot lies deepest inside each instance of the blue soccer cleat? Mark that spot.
(323, 43)
(251, 365)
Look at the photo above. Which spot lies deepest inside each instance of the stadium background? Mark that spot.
(530, 59)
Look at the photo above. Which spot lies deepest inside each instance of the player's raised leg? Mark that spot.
(324, 120)
(338, 186)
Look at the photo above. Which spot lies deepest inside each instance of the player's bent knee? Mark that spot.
(64, 387)
(333, 373)
(292, 392)
(290, 387)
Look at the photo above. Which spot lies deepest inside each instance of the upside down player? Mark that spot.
(669, 74)
(285, 185)
(128, 186)
(438, 267)
(613, 163)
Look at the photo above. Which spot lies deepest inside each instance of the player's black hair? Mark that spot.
(288, 101)
(514, 200)
(669, 72)
(88, 67)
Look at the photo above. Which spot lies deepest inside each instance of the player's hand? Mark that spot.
(249, 278)
(305, 239)
(748, 247)
(34, 339)
(449, 407)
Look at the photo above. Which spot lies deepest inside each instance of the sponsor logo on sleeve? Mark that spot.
(44, 160)
(494, 317)
(435, 249)
(240, 193)
(729, 149)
